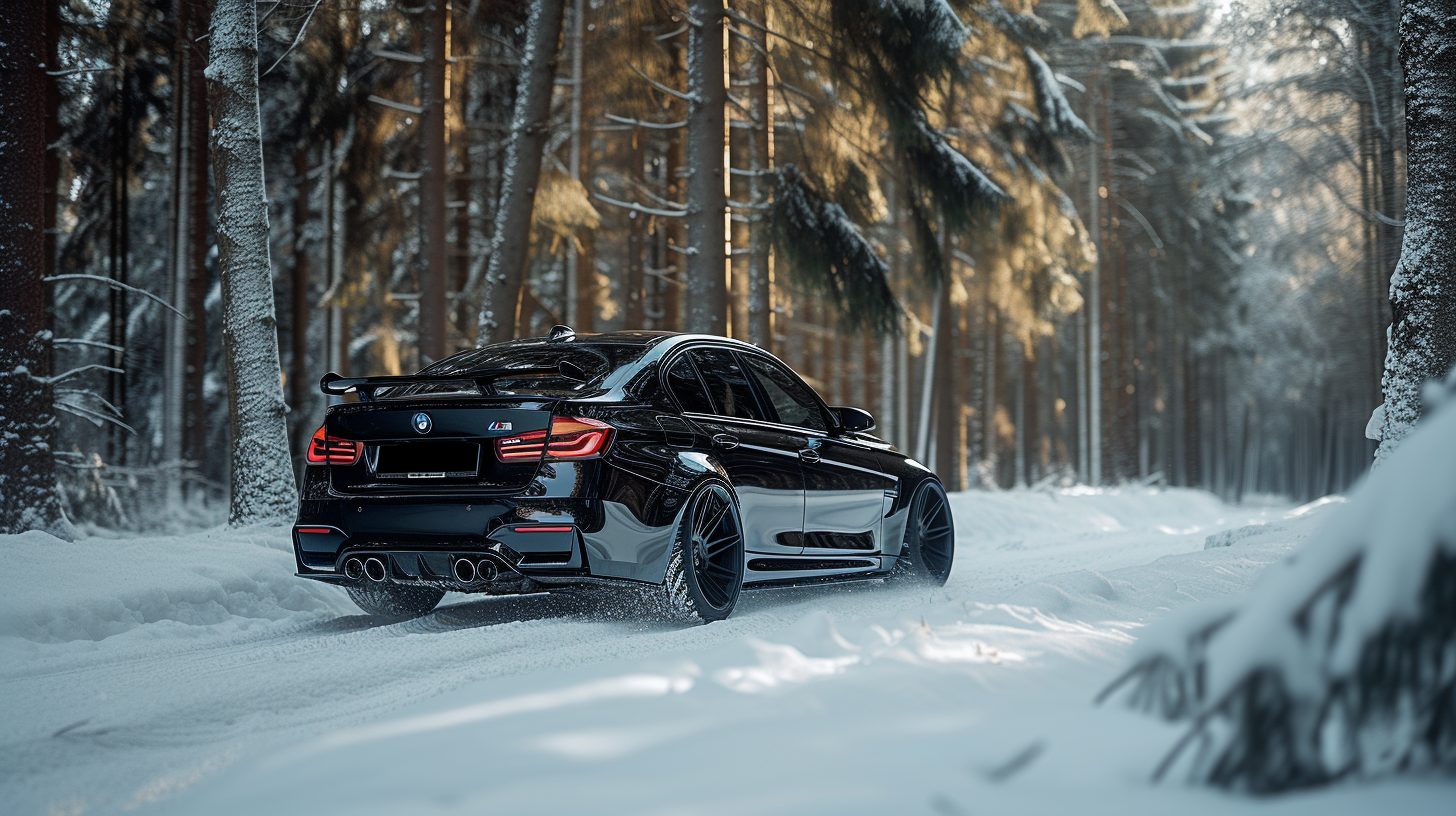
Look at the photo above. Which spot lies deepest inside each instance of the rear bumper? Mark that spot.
(625, 534)
(543, 539)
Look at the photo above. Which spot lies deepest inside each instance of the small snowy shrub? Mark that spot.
(1341, 661)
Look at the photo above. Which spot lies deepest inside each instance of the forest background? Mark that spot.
(1044, 243)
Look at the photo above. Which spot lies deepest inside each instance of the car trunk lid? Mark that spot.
(426, 446)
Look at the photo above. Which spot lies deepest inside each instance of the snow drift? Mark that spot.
(1341, 661)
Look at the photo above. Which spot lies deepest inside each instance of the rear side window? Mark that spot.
(727, 384)
(683, 382)
(791, 399)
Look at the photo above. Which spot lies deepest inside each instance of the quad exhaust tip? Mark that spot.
(354, 569)
(464, 571)
(468, 572)
(373, 569)
(486, 570)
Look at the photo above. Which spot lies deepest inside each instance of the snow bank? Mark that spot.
(1342, 660)
(95, 588)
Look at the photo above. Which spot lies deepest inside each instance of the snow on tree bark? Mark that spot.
(1423, 288)
(28, 497)
(707, 198)
(511, 242)
(262, 482)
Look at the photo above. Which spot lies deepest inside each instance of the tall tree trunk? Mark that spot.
(582, 305)
(174, 377)
(263, 488)
(28, 498)
(461, 35)
(1094, 291)
(198, 127)
(760, 269)
(300, 384)
(511, 241)
(707, 199)
(52, 130)
(633, 279)
(949, 452)
(433, 188)
(1423, 288)
(676, 234)
(740, 159)
(119, 255)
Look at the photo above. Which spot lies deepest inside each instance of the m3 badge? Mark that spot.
(500, 426)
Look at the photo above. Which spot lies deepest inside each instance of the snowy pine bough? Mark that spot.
(1341, 662)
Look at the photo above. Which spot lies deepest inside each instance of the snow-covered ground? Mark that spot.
(194, 675)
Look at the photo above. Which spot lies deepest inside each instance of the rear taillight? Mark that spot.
(331, 450)
(570, 438)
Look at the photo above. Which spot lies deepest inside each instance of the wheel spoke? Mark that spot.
(700, 516)
(718, 545)
(712, 524)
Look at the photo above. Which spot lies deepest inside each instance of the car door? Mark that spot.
(844, 485)
(761, 460)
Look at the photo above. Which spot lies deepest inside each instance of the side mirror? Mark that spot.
(853, 420)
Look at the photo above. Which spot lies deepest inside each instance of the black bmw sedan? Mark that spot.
(686, 468)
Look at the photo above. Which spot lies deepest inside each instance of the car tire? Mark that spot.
(395, 601)
(928, 548)
(705, 568)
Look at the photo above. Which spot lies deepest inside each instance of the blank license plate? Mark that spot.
(428, 460)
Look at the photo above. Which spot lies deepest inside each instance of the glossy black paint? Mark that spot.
(823, 501)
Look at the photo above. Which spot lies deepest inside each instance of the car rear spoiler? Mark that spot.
(337, 385)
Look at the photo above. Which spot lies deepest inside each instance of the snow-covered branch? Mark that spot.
(78, 370)
(651, 125)
(116, 284)
(400, 106)
(659, 86)
(638, 207)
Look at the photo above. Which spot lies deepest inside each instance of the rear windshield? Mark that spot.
(597, 361)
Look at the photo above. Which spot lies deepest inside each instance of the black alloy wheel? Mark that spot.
(705, 571)
(929, 546)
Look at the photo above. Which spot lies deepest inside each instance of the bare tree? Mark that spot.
(1423, 288)
(28, 497)
(263, 488)
(511, 242)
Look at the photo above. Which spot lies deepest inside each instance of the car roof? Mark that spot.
(654, 344)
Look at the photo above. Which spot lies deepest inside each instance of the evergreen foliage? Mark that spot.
(828, 256)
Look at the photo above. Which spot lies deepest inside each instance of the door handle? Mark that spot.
(809, 455)
(725, 441)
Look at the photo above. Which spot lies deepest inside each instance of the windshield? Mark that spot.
(596, 361)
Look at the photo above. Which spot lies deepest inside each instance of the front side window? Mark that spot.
(727, 384)
(791, 399)
(684, 384)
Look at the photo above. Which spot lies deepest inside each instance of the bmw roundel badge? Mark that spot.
(422, 422)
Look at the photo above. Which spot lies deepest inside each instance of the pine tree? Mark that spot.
(262, 481)
(28, 497)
